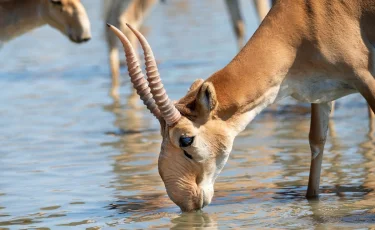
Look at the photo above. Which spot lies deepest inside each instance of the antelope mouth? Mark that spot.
(78, 40)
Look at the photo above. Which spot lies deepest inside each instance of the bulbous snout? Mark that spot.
(80, 34)
(201, 198)
(80, 31)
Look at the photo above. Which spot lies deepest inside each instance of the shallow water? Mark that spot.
(72, 156)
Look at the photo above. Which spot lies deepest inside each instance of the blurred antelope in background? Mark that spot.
(238, 25)
(294, 52)
(118, 13)
(134, 12)
(67, 16)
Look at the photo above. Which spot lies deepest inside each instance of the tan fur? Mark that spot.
(299, 42)
(19, 17)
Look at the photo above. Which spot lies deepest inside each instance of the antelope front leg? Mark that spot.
(262, 7)
(114, 63)
(317, 137)
(332, 109)
(366, 86)
(370, 113)
(238, 24)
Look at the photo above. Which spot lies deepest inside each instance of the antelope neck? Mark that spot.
(256, 77)
(19, 17)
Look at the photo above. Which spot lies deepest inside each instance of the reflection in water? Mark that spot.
(71, 156)
(367, 149)
(196, 220)
(137, 142)
(138, 145)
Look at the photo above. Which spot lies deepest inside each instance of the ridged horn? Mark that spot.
(168, 111)
(136, 74)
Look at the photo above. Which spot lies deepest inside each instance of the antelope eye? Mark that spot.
(186, 141)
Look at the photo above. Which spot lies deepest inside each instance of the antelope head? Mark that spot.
(195, 142)
(69, 17)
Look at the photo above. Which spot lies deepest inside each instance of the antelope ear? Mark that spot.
(206, 99)
(196, 84)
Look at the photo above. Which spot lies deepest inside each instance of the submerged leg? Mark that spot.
(114, 63)
(317, 137)
(238, 24)
(371, 114)
(332, 109)
(262, 7)
(112, 12)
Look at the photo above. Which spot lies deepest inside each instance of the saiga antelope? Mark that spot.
(120, 12)
(67, 16)
(313, 50)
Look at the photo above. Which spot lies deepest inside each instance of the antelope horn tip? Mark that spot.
(109, 25)
(130, 27)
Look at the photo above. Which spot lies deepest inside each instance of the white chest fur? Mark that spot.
(311, 89)
(318, 89)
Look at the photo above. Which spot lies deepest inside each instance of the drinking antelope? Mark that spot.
(67, 16)
(313, 50)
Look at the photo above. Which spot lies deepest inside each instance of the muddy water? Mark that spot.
(72, 156)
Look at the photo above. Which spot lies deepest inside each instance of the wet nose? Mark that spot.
(207, 194)
(205, 202)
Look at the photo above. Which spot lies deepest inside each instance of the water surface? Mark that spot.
(72, 156)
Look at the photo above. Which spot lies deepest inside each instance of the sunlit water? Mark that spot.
(72, 156)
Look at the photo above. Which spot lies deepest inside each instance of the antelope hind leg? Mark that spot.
(317, 138)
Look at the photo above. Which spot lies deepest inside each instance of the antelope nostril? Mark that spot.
(204, 203)
(86, 39)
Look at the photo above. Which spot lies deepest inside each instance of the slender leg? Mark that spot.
(119, 13)
(238, 24)
(317, 137)
(114, 63)
(332, 109)
(366, 86)
(262, 7)
(112, 13)
(371, 114)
